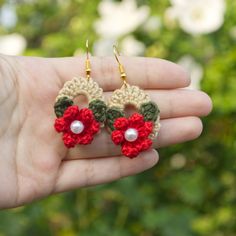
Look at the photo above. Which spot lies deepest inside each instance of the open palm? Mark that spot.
(33, 160)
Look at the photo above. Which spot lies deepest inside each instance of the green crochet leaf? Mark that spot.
(112, 114)
(61, 105)
(99, 109)
(150, 111)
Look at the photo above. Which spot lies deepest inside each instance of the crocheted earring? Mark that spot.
(78, 126)
(135, 133)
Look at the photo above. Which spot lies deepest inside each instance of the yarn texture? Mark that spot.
(133, 95)
(142, 143)
(78, 86)
(150, 111)
(78, 126)
(61, 105)
(72, 113)
(111, 115)
(99, 109)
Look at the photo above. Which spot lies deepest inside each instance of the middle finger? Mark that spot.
(179, 102)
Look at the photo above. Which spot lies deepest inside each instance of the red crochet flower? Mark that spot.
(132, 134)
(72, 134)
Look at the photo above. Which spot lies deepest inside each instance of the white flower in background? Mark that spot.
(12, 44)
(8, 17)
(171, 15)
(132, 47)
(152, 24)
(194, 69)
(103, 47)
(180, 2)
(119, 18)
(198, 17)
(178, 161)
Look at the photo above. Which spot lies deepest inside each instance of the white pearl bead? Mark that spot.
(77, 127)
(131, 134)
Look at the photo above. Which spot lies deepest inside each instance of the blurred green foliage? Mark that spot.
(197, 197)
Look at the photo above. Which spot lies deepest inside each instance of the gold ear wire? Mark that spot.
(87, 63)
(121, 68)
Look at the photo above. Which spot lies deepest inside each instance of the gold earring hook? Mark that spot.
(121, 68)
(88, 65)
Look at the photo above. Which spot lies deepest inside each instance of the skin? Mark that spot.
(33, 160)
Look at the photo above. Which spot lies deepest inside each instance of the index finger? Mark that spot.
(147, 73)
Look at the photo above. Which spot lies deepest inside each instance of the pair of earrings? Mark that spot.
(134, 134)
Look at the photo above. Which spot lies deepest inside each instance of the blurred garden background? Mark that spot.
(192, 191)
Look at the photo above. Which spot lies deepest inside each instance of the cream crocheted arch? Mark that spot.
(81, 86)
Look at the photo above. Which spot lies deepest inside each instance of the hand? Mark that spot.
(33, 160)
